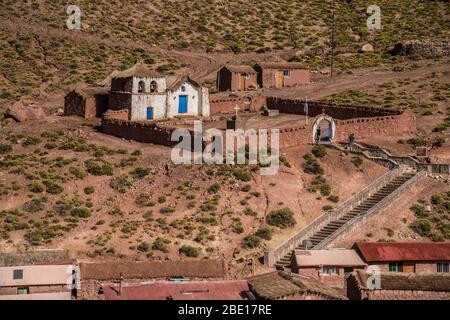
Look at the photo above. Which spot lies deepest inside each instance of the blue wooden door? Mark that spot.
(182, 104)
(149, 113)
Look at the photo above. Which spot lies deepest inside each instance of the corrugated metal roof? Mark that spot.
(405, 251)
(332, 257)
(189, 290)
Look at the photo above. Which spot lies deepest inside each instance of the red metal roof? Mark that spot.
(406, 251)
(188, 290)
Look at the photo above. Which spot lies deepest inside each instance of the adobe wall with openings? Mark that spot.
(227, 106)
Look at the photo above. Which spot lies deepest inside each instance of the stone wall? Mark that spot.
(426, 48)
(139, 131)
(342, 112)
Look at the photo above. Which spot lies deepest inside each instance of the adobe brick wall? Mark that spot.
(117, 114)
(138, 131)
(119, 100)
(227, 80)
(74, 104)
(226, 106)
(364, 122)
(267, 79)
(342, 112)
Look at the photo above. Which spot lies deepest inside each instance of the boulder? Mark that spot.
(367, 48)
(21, 113)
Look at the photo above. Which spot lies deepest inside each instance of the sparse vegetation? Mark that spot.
(282, 218)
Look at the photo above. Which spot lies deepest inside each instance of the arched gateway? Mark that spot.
(323, 129)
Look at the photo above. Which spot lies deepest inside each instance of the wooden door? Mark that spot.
(242, 82)
(279, 79)
(409, 267)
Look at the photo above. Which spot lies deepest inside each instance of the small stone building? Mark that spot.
(149, 95)
(236, 78)
(86, 102)
(398, 286)
(408, 257)
(281, 285)
(281, 74)
(330, 267)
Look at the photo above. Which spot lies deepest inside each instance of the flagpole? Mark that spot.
(306, 109)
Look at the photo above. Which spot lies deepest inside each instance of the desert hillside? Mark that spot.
(39, 56)
(106, 198)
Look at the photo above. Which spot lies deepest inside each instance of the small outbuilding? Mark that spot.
(330, 267)
(86, 102)
(281, 74)
(236, 78)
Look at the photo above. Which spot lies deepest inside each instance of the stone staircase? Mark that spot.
(328, 227)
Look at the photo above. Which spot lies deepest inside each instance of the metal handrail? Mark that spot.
(332, 214)
(371, 210)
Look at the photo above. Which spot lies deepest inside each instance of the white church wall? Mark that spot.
(192, 93)
(140, 103)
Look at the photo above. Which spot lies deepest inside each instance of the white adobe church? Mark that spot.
(148, 95)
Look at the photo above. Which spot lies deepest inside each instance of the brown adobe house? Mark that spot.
(86, 102)
(282, 285)
(89, 102)
(330, 267)
(281, 74)
(408, 257)
(236, 78)
(398, 286)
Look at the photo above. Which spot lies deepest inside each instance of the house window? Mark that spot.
(442, 267)
(23, 290)
(395, 266)
(183, 88)
(287, 73)
(18, 274)
(153, 87)
(330, 270)
(141, 87)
